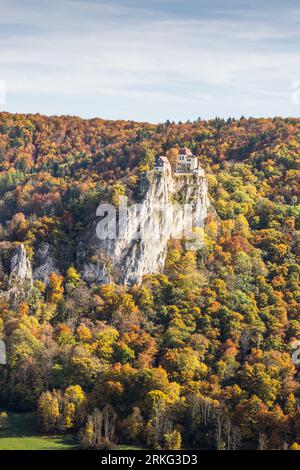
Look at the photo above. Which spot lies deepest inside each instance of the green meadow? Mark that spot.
(21, 433)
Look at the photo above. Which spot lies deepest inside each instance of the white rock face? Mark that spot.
(21, 273)
(20, 270)
(128, 258)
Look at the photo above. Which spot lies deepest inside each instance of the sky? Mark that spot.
(150, 60)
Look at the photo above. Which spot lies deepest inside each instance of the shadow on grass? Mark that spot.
(20, 425)
(22, 432)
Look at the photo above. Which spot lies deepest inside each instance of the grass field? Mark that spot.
(22, 434)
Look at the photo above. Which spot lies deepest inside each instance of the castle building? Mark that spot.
(162, 164)
(187, 162)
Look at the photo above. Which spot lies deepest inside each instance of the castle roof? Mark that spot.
(185, 151)
(163, 158)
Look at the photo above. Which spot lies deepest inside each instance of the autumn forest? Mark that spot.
(198, 356)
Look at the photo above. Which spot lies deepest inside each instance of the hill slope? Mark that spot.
(207, 343)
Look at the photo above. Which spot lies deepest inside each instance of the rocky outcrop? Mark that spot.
(20, 269)
(20, 278)
(44, 263)
(142, 247)
(22, 275)
(141, 241)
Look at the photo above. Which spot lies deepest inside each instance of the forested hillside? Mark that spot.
(197, 357)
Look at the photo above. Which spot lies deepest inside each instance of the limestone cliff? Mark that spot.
(130, 256)
(141, 244)
(44, 263)
(20, 278)
(21, 273)
(20, 270)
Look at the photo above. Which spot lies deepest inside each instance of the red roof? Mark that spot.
(164, 159)
(185, 151)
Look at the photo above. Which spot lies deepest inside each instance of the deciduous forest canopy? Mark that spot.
(199, 356)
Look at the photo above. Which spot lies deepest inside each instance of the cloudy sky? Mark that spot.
(151, 60)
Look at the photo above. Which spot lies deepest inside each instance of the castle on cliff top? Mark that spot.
(186, 163)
